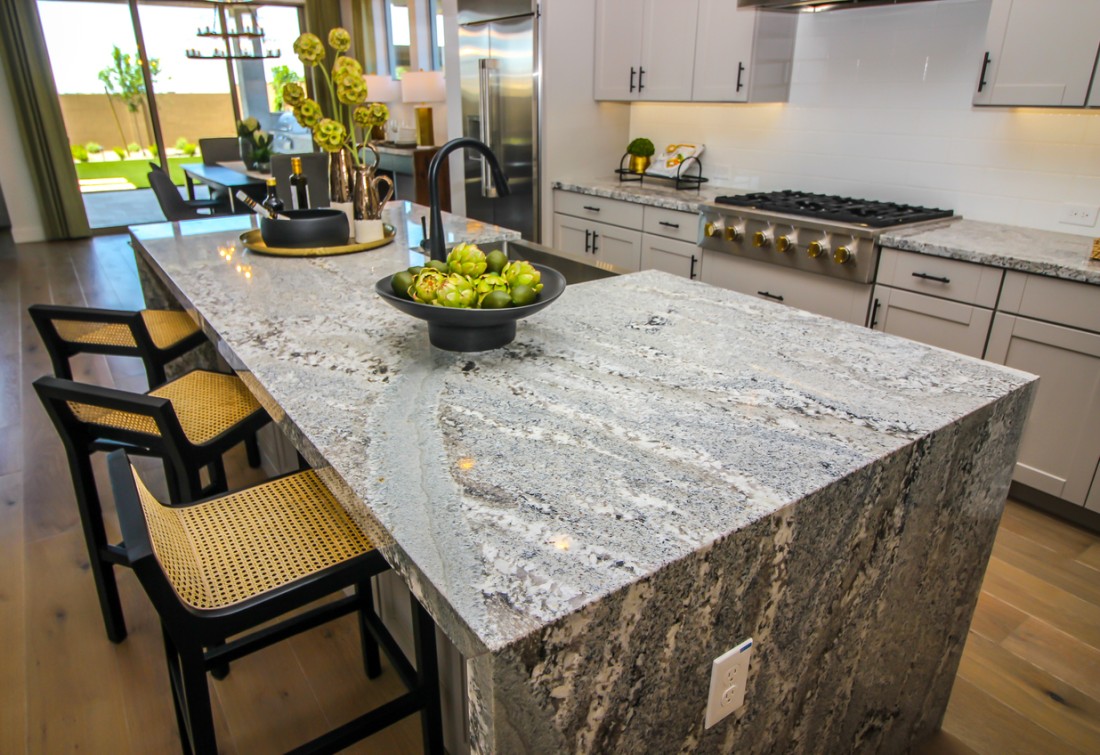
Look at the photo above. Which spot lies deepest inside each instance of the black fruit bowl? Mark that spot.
(456, 329)
(305, 228)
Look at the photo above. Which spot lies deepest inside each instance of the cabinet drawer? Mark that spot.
(841, 299)
(671, 256)
(605, 246)
(626, 214)
(936, 276)
(1051, 299)
(951, 325)
(672, 223)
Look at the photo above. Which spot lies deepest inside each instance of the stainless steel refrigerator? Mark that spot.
(498, 57)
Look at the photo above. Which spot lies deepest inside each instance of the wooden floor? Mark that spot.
(1029, 681)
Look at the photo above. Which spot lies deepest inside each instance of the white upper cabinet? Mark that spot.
(742, 55)
(645, 49)
(1040, 53)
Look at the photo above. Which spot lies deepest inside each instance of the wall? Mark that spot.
(581, 138)
(88, 118)
(880, 107)
(15, 175)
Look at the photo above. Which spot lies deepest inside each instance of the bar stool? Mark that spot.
(225, 566)
(156, 336)
(188, 422)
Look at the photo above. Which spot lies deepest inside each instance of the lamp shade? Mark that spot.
(423, 86)
(382, 88)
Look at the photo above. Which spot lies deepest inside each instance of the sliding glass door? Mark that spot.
(209, 69)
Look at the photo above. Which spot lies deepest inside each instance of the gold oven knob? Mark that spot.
(760, 239)
(711, 230)
(815, 249)
(784, 244)
(733, 233)
(842, 255)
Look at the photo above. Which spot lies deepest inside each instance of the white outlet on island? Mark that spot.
(728, 676)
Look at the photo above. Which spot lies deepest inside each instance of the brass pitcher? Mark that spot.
(368, 192)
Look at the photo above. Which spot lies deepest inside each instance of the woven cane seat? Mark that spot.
(244, 544)
(166, 329)
(206, 403)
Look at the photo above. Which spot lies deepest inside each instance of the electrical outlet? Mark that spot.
(729, 673)
(1078, 214)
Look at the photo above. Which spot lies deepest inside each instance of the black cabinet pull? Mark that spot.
(927, 277)
(691, 273)
(985, 67)
(874, 313)
(670, 225)
(594, 237)
(632, 78)
(641, 73)
(777, 297)
(586, 236)
(593, 209)
(740, 70)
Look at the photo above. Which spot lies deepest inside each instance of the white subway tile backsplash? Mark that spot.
(880, 106)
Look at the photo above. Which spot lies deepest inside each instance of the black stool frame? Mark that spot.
(61, 350)
(193, 639)
(182, 463)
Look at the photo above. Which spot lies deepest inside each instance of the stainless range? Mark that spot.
(824, 236)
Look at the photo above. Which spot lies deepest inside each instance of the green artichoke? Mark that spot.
(456, 291)
(488, 283)
(466, 259)
(522, 273)
(426, 285)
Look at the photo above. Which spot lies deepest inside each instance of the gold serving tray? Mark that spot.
(254, 241)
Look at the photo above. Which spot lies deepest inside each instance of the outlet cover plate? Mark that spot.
(1078, 214)
(729, 673)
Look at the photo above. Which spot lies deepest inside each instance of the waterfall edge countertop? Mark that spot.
(649, 456)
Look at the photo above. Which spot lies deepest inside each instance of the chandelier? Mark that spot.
(242, 32)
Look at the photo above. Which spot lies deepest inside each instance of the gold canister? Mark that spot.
(638, 163)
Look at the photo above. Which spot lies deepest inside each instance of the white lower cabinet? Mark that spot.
(594, 242)
(668, 255)
(1060, 449)
(951, 325)
(840, 299)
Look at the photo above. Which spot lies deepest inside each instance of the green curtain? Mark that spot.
(41, 126)
(362, 35)
(321, 16)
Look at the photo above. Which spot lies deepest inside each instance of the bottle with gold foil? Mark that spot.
(271, 202)
(299, 186)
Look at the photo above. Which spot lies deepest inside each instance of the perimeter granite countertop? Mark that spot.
(1029, 250)
(610, 485)
(655, 193)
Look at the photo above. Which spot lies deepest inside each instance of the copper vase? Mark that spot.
(340, 176)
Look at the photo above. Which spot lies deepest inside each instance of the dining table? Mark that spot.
(231, 176)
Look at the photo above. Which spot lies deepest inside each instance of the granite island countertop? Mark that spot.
(639, 429)
(654, 193)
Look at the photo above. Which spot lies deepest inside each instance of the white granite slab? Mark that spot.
(654, 192)
(1029, 250)
(634, 420)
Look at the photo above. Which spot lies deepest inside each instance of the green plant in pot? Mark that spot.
(640, 150)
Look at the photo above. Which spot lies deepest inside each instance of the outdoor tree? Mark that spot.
(125, 80)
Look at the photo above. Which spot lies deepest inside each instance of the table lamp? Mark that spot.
(420, 88)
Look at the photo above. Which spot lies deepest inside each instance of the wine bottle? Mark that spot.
(272, 202)
(299, 186)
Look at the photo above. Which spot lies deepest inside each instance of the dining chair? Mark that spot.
(219, 149)
(214, 203)
(315, 168)
(172, 203)
(189, 423)
(155, 336)
(226, 566)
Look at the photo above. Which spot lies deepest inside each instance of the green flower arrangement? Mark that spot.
(347, 91)
(247, 127)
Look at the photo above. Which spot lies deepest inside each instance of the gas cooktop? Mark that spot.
(840, 209)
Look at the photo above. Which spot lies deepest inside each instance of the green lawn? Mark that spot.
(135, 171)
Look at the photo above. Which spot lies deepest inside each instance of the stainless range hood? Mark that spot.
(817, 5)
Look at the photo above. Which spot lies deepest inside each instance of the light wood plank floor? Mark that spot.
(1029, 681)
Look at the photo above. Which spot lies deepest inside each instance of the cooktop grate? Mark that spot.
(863, 212)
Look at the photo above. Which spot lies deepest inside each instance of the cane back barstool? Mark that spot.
(156, 336)
(188, 422)
(225, 566)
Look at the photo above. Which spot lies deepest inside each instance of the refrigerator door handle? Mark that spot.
(487, 88)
